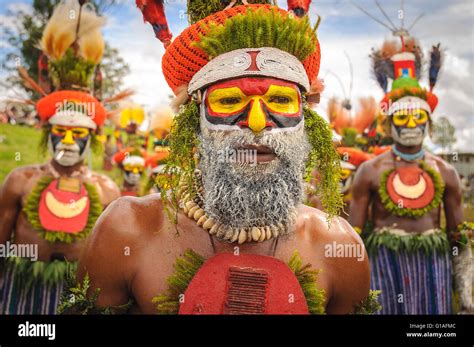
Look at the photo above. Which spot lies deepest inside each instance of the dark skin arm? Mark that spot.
(361, 196)
(349, 287)
(10, 204)
(104, 257)
(452, 198)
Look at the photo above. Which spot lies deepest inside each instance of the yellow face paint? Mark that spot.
(283, 100)
(278, 99)
(410, 119)
(74, 132)
(226, 105)
(134, 168)
(257, 119)
(345, 173)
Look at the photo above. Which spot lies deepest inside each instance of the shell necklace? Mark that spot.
(193, 207)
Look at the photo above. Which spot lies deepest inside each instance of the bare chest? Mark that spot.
(158, 261)
(25, 233)
(393, 190)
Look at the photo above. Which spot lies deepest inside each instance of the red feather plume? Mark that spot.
(299, 7)
(154, 13)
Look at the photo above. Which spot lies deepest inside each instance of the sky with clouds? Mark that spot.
(344, 32)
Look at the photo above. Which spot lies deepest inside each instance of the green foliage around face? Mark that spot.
(200, 9)
(21, 146)
(96, 146)
(180, 164)
(260, 29)
(325, 159)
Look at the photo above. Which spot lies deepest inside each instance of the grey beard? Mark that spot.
(245, 195)
(409, 137)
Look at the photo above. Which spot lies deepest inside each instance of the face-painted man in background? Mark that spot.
(132, 163)
(53, 206)
(400, 195)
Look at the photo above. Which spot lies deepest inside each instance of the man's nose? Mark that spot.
(411, 123)
(68, 139)
(257, 120)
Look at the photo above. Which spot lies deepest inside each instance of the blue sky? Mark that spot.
(344, 29)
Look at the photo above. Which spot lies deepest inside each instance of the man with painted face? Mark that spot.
(231, 235)
(52, 206)
(401, 194)
(132, 163)
(48, 209)
(351, 159)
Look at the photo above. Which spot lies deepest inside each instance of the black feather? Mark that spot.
(435, 65)
(382, 69)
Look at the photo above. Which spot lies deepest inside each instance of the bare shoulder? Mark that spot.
(27, 171)
(108, 189)
(128, 219)
(15, 181)
(377, 161)
(120, 235)
(345, 258)
(102, 180)
(318, 226)
(446, 169)
(365, 172)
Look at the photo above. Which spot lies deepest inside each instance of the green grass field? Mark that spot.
(19, 146)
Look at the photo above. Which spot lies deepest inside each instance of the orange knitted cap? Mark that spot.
(51, 104)
(182, 60)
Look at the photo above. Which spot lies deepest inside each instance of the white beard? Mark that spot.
(70, 153)
(409, 137)
(241, 195)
